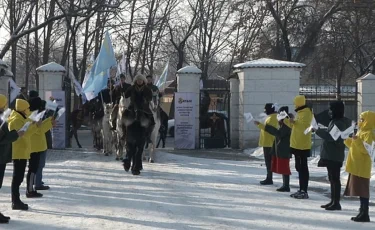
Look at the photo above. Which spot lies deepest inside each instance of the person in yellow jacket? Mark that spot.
(359, 163)
(266, 140)
(39, 145)
(21, 149)
(300, 144)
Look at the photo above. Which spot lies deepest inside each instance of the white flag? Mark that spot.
(370, 150)
(163, 78)
(25, 126)
(14, 90)
(90, 95)
(60, 113)
(6, 114)
(348, 131)
(249, 117)
(335, 133)
(314, 125)
(87, 77)
(51, 105)
(123, 64)
(282, 115)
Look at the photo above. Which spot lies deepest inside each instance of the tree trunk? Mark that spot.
(27, 64)
(36, 37)
(47, 41)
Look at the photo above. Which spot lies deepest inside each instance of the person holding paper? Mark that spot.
(21, 149)
(332, 152)
(300, 144)
(38, 147)
(359, 164)
(281, 150)
(6, 139)
(266, 140)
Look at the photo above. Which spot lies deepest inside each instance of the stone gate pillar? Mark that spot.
(5, 75)
(188, 81)
(366, 93)
(50, 78)
(264, 81)
(234, 112)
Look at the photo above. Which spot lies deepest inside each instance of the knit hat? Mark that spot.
(35, 103)
(299, 101)
(22, 105)
(3, 101)
(269, 108)
(33, 93)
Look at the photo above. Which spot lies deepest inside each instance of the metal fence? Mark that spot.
(319, 98)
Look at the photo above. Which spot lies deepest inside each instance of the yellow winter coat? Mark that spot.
(38, 139)
(359, 161)
(266, 139)
(298, 140)
(21, 148)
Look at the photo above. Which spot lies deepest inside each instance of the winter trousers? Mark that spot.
(334, 169)
(303, 171)
(39, 172)
(268, 161)
(33, 168)
(2, 173)
(19, 167)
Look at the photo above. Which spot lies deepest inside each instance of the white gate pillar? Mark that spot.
(188, 81)
(366, 93)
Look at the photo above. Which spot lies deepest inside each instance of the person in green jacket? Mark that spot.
(281, 150)
(332, 152)
(6, 139)
(266, 140)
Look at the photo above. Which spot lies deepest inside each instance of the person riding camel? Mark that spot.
(119, 90)
(151, 85)
(140, 97)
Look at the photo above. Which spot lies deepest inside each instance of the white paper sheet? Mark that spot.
(25, 126)
(345, 134)
(335, 132)
(249, 117)
(282, 115)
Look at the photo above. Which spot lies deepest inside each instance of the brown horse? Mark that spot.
(79, 117)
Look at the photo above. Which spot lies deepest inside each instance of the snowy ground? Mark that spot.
(90, 191)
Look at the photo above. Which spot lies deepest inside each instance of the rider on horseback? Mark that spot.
(119, 90)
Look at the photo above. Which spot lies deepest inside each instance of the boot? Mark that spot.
(360, 213)
(33, 194)
(285, 187)
(268, 180)
(331, 202)
(4, 217)
(3, 220)
(363, 216)
(17, 204)
(336, 198)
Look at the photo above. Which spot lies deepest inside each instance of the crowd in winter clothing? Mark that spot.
(25, 146)
(285, 136)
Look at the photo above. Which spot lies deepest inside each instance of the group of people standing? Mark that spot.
(21, 146)
(288, 136)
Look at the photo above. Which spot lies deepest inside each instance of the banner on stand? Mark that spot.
(58, 132)
(185, 120)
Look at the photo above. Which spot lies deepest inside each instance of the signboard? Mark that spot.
(58, 132)
(184, 121)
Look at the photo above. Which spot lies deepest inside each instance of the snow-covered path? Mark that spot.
(90, 191)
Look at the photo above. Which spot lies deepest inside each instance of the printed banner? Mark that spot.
(184, 121)
(58, 132)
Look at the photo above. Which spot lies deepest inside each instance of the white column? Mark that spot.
(5, 75)
(234, 113)
(188, 81)
(366, 93)
(50, 78)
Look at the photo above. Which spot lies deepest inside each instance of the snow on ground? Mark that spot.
(91, 191)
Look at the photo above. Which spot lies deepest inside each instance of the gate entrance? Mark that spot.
(214, 125)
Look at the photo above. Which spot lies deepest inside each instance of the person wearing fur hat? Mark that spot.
(300, 144)
(38, 147)
(332, 152)
(6, 139)
(359, 164)
(119, 90)
(266, 140)
(21, 149)
(281, 150)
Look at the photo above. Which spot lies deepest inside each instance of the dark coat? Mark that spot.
(6, 139)
(281, 145)
(153, 87)
(119, 90)
(140, 97)
(332, 150)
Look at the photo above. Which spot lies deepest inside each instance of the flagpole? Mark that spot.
(9, 102)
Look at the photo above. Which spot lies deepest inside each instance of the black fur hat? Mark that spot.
(269, 108)
(33, 93)
(35, 103)
(338, 109)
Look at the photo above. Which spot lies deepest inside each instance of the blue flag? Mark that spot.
(98, 77)
(161, 83)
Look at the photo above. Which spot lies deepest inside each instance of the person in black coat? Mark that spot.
(6, 139)
(332, 153)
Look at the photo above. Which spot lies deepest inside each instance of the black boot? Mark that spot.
(363, 216)
(268, 180)
(336, 198)
(331, 202)
(285, 187)
(4, 217)
(33, 194)
(17, 204)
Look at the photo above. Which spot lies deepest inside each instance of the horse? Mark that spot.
(106, 129)
(97, 114)
(163, 131)
(121, 124)
(154, 131)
